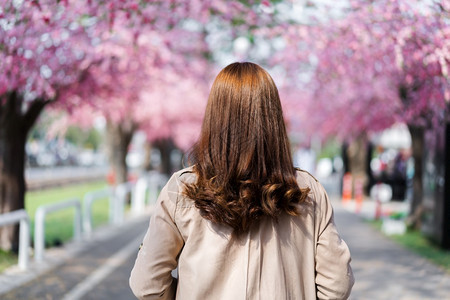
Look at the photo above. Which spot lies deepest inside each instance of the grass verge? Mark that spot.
(7, 259)
(59, 225)
(415, 241)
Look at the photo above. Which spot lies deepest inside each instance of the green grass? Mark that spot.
(420, 244)
(7, 259)
(59, 224)
(416, 242)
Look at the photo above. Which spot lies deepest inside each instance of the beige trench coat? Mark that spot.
(297, 258)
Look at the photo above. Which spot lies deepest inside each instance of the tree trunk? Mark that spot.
(148, 157)
(446, 196)
(345, 162)
(357, 156)
(165, 147)
(119, 136)
(14, 127)
(12, 181)
(418, 143)
(345, 167)
(370, 178)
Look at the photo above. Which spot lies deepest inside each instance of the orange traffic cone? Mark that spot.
(346, 188)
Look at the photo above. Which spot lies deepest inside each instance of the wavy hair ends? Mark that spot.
(242, 158)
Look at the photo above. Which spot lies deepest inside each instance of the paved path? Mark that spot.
(383, 269)
(99, 271)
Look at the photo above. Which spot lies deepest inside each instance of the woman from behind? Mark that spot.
(242, 222)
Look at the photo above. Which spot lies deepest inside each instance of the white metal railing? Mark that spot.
(39, 219)
(152, 183)
(139, 193)
(156, 183)
(120, 197)
(19, 216)
(88, 201)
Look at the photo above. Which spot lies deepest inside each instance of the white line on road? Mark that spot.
(101, 273)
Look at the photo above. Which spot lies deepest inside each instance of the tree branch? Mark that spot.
(33, 113)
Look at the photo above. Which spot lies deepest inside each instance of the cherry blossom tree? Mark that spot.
(142, 75)
(76, 53)
(47, 50)
(147, 87)
(376, 64)
(43, 49)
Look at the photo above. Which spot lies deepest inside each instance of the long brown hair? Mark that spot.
(242, 159)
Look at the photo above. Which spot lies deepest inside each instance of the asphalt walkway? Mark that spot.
(383, 269)
(99, 269)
